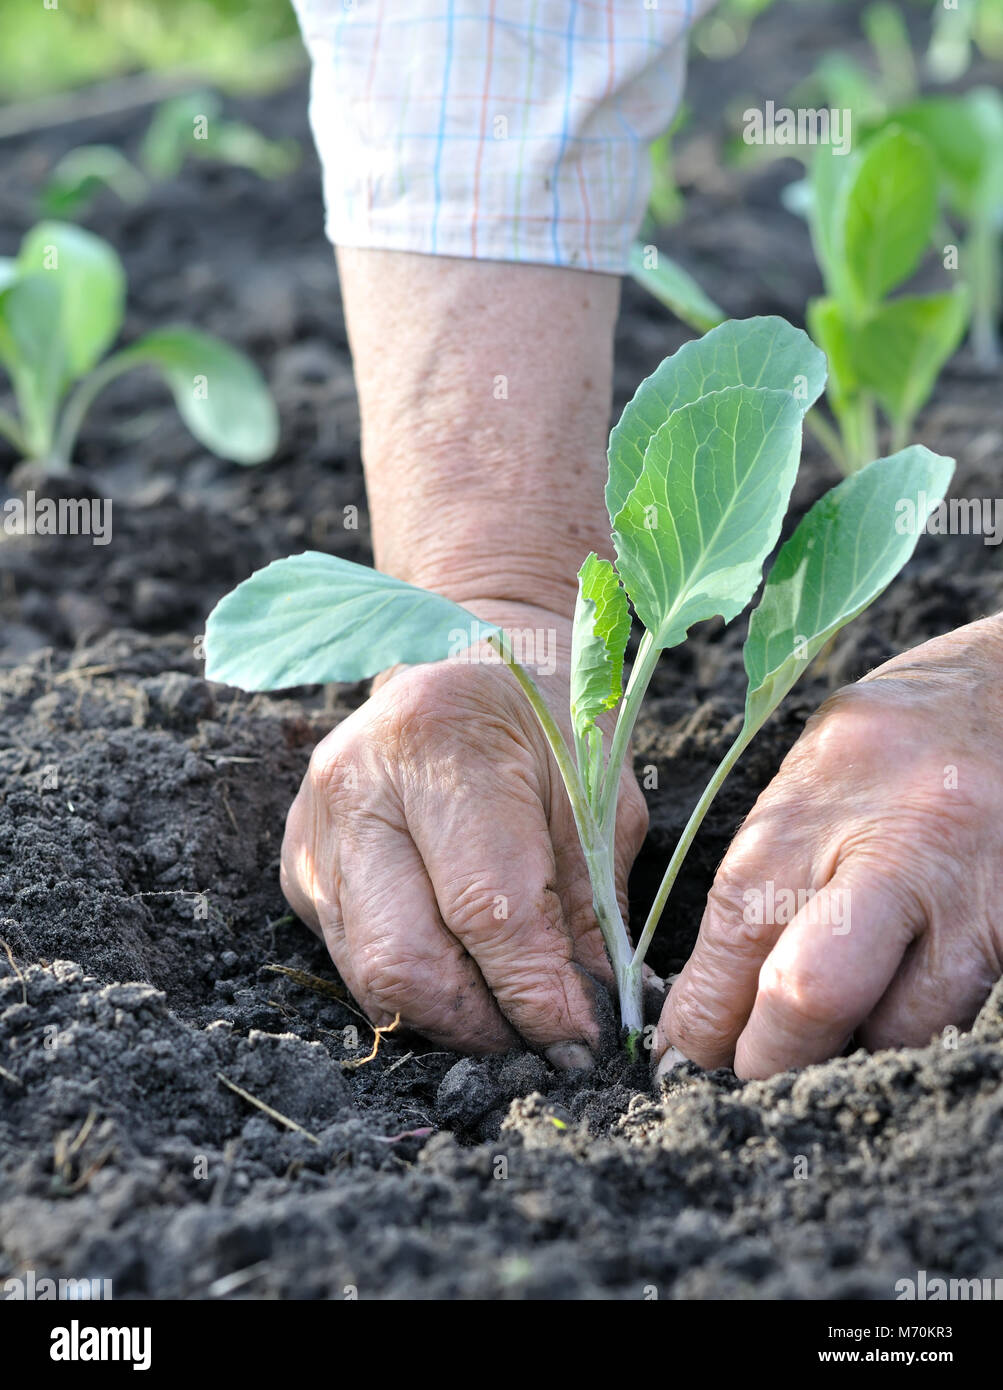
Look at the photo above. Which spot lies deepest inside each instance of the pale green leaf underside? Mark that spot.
(220, 394)
(844, 553)
(598, 641)
(314, 618)
(760, 352)
(707, 508)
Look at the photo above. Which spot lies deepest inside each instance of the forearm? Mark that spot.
(485, 391)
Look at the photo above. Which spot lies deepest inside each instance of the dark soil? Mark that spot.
(150, 951)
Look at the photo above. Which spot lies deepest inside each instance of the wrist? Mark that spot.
(484, 391)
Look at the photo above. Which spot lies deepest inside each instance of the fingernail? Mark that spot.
(669, 1060)
(570, 1056)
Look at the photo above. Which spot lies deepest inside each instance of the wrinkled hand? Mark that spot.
(890, 805)
(433, 846)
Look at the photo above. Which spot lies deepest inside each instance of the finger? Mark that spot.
(828, 970)
(404, 957)
(710, 1002)
(296, 872)
(494, 878)
(361, 880)
(944, 978)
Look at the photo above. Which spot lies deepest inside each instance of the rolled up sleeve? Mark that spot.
(512, 130)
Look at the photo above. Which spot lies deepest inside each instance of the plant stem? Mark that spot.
(901, 430)
(686, 839)
(626, 969)
(596, 847)
(11, 430)
(985, 253)
(860, 433)
(828, 438)
(79, 404)
(640, 677)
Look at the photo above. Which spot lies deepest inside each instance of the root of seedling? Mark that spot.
(354, 1062)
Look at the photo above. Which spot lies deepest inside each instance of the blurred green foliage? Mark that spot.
(83, 41)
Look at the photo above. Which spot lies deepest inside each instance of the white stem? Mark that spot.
(596, 847)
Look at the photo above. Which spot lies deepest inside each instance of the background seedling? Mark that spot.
(701, 466)
(185, 127)
(872, 215)
(965, 136)
(61, 308)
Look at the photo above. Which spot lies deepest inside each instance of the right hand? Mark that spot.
(432, 845)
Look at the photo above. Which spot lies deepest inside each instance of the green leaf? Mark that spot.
(240, 144)
(91, 284)
(219, 392)
(830, 176)
(844, 553)
(192, 126)
(171, 135)
(675, 288)
(762, 352)
(889, 212)
(79, 174)
(901, 348)
(598, 642)
(8, 271)
(965, 134)
(706, 511)
(314, 618)
(845, 83)
(885, 26)
(33, 352)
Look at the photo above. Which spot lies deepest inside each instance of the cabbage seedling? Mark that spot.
(701, 466)
(872, 215)
(61, 308)
(965, 134)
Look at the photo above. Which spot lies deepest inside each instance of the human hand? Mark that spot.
(432, 845)
(889, 807)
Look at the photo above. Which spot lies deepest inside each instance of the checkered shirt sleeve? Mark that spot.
(513, 130)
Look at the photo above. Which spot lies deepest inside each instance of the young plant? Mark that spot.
(701, 466)
(182, 127)
(76, 178)
(61, 308)
(965, 135)
(872, 215)
(193, 126)
(957, 29)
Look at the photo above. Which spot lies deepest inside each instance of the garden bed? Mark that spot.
(141, 815)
